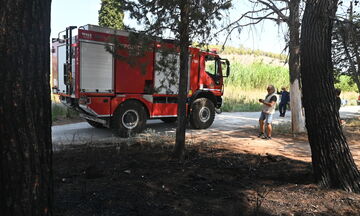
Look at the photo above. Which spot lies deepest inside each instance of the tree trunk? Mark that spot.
(297, 117)
(184, 68)
(25, 108)
(332, 161)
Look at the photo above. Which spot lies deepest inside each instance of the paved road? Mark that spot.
(83, 133)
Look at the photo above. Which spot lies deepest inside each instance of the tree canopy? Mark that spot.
(111, 15)
(346, 43)
(162, 17)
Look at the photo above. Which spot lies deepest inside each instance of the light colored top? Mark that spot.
(269, 109)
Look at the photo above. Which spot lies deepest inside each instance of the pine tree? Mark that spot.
(111, 15)
(333, 164)
(25, 108)
(186, 20)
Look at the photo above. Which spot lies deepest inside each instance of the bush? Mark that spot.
(59, 111)
(345, 84)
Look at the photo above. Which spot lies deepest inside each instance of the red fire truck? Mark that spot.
(112, 92)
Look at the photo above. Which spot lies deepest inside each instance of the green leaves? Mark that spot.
(111, 14)
(162, 17)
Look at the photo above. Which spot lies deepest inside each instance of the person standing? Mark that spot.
(338, 105)
(268, 109)
(285, 99)
(338, 99)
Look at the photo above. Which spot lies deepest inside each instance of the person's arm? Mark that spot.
(271, 103)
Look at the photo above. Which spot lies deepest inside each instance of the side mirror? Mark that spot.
(227, 63)
(228, 68)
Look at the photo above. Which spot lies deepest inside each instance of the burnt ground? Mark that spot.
(220, 177)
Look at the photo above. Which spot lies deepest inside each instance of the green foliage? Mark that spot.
(111, 15)
(345, 83)
(157, 18)
(257, 76)
(345, 44)
(59, 111)
(241, 104)
(247, 84)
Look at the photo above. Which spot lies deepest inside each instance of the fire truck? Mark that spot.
(122, 93)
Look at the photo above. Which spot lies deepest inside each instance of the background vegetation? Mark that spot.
(247, 84)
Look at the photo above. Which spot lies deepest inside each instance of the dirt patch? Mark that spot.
(228, 174)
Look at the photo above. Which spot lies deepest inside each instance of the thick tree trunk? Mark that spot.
(332, 161)
(297, 116)
(25, 108)
(184, 67)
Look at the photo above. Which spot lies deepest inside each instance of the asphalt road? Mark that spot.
(83, 133)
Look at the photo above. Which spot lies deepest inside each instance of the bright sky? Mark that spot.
(266, 36)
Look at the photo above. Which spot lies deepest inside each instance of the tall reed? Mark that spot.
(247, 84)
(257, 76)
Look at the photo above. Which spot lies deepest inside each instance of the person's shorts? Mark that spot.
(267, 117)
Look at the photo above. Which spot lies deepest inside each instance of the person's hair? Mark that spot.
(271, 87)
(337, 91)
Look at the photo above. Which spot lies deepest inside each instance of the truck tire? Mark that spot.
(95, 124)
(129, 119)
(169, 119)
(202, 113)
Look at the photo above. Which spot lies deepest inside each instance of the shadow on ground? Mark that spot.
(141, 180)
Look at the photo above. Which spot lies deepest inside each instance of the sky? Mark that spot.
(265, 36)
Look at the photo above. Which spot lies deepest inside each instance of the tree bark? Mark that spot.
(25, 108)
(332, 161)
(184, 68)
(297, 116)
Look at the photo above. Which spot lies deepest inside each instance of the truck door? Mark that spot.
(211, 76)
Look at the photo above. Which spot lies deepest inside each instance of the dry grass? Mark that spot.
(242, 100)
(351, 97)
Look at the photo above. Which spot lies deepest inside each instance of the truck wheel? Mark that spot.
(169, 119)
(95, 124)
(129, 119)
(203, 113)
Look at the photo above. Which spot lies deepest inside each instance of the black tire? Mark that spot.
(169, 119)
(129, 119)
(202, 113)
(95, 124)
